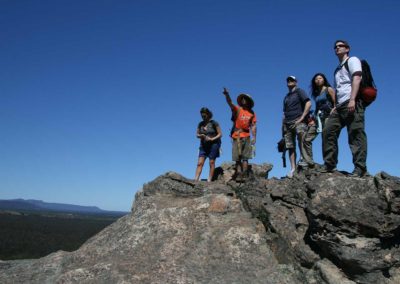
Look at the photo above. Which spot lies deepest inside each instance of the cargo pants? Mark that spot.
(306, 144)
(357, 138)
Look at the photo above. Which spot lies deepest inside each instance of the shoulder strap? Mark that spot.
(345, 64)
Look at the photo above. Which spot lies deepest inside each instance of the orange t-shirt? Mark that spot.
(243, 121)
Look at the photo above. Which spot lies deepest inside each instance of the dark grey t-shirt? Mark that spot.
(293, 104)
(209, 129)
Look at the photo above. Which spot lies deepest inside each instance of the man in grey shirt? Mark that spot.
(349, 112)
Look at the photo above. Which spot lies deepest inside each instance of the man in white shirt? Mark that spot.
(349, 112)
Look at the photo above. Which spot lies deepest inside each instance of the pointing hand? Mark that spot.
(225, 92)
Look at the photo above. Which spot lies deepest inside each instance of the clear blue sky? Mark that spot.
(99, 97)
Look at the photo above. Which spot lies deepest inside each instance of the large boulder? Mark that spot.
(353, 224)
(313, 228)
(178, 232)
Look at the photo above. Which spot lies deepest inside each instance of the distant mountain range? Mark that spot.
(39, 205)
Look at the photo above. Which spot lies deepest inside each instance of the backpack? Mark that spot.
(367, 92)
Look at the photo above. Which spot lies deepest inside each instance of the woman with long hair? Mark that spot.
(324, 97)
(209, 133)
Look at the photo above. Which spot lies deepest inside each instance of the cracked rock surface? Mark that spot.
(314, 228)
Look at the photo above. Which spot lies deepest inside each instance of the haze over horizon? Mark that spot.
(100, 97)
(43, 205)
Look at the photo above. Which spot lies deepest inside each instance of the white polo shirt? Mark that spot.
(343, 78)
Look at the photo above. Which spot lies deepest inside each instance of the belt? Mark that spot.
(241, 130)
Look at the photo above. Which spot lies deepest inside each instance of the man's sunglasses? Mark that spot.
(340, 45)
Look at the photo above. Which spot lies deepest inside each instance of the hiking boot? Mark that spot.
(327, 169)
(245, 177)
(241, 177)
(357, 172)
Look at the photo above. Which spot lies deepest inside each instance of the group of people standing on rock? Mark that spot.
(335, 108)
(244, 126)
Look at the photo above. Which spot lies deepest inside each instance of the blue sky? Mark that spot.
(99, 97)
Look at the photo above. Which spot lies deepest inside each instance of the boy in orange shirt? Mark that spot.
(244, 122)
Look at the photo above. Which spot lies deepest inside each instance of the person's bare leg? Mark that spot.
(199, 168)
(292, 157)
(245, 165)
(238, 171)
(212, 169)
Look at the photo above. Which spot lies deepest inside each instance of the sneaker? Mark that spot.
(327, 169)
(302, 163)
(358, 173)
(291, 173)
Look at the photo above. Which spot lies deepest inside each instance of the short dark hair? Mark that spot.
(207, 111)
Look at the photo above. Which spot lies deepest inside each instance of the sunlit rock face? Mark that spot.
(313, 228)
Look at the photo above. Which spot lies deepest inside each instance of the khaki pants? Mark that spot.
(290, 134)
(357, 138)
(241, 149)
(306, 144)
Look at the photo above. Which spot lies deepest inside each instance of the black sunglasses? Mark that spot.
(339, 45)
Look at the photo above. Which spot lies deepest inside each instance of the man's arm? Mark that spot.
(283, 122)
(355, 86)
(254, 132)
(307, 108)
(228, 99)
(355, 70)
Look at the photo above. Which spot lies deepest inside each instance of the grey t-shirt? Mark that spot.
(209, 129)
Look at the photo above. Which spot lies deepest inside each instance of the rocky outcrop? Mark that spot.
(314, 228)
(349, 225)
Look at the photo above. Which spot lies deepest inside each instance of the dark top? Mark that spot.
(293, 104)
(209, 129)
(323, 102)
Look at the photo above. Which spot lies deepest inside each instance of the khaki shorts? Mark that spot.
(243, 145)
(291, 132)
